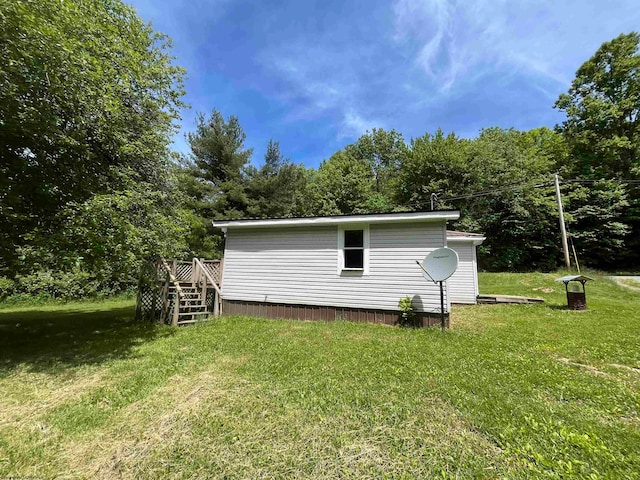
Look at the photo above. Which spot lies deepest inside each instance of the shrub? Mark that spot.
(7, 287)
(408, 317)
(70, 285)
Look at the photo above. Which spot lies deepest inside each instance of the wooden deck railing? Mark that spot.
(155, 300)
(205, 279)
(170, 278)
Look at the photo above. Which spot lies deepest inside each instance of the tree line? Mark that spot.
(89, 186)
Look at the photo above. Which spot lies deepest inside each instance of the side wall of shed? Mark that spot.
(463, 284)
(299, 266)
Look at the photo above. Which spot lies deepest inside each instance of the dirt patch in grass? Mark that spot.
(588, 368)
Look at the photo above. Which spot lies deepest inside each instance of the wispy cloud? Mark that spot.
(455, 40)
(354, 125)
(317, 74)
(322, 81)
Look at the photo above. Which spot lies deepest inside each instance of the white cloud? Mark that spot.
(433, 54)
(354, 125)
(452, 40)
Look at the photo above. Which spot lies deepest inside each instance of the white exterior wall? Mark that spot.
(299, 265)
(463, 284)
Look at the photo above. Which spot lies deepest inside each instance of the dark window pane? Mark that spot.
(354, 259)
(354, 238)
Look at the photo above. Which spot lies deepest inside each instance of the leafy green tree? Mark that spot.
(433, 164)
(106, 238)
(343, 184)
(384, 152)
(517, 210)
(602, 129)
(603, 111)
(486, 179)
(88, 93)
(276, 188)
(593, 218)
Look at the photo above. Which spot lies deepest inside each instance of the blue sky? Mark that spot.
(315, 75)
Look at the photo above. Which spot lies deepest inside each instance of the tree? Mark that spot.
(276, 188)
(478, 177)
(88, 95)
(603, 111)
(343, 184)
(218, 156)
(433, 164)
(602, 129)
(197, 203)
(518, 214)
(593, 219)
(384, 152)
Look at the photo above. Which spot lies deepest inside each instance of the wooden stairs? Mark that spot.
(180, 293)
(192, 306)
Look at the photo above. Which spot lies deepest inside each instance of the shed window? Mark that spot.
(354, 249)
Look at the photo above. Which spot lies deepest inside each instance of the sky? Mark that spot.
(316, 75)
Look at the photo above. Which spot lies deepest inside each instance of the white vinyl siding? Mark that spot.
(298, 265)
(463, 284)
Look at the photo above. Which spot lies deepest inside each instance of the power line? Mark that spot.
(518, 186)
(625, 181)
(494, 191)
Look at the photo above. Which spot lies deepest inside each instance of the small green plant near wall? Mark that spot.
(408, 317)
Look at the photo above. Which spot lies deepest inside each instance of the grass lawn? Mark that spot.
(630, 282)
(510, 391)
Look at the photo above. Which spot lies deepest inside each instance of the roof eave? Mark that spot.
(408, 217)
(475, 240)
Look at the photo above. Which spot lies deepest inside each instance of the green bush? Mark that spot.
(408, 317)
(71, 285)
(47, 286)
(7, 287)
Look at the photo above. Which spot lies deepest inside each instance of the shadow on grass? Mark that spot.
(565, 307)
(51, 341)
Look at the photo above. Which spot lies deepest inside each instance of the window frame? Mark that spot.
(365, 248)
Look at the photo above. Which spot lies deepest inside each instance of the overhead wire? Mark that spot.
(518, 186)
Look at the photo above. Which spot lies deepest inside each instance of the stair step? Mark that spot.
(188, 322)
(183, 314)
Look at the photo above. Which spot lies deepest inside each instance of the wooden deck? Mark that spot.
(179, 292)
(494, 299)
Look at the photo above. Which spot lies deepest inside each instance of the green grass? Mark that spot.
(515, 391)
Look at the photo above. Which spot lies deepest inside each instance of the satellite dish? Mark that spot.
(439, 264)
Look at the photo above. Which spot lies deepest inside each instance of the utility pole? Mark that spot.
(563, 230)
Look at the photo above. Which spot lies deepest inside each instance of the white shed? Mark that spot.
(355, 267)
(463, 284)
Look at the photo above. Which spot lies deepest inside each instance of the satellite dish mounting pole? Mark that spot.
(439, 265)
(442, 307)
